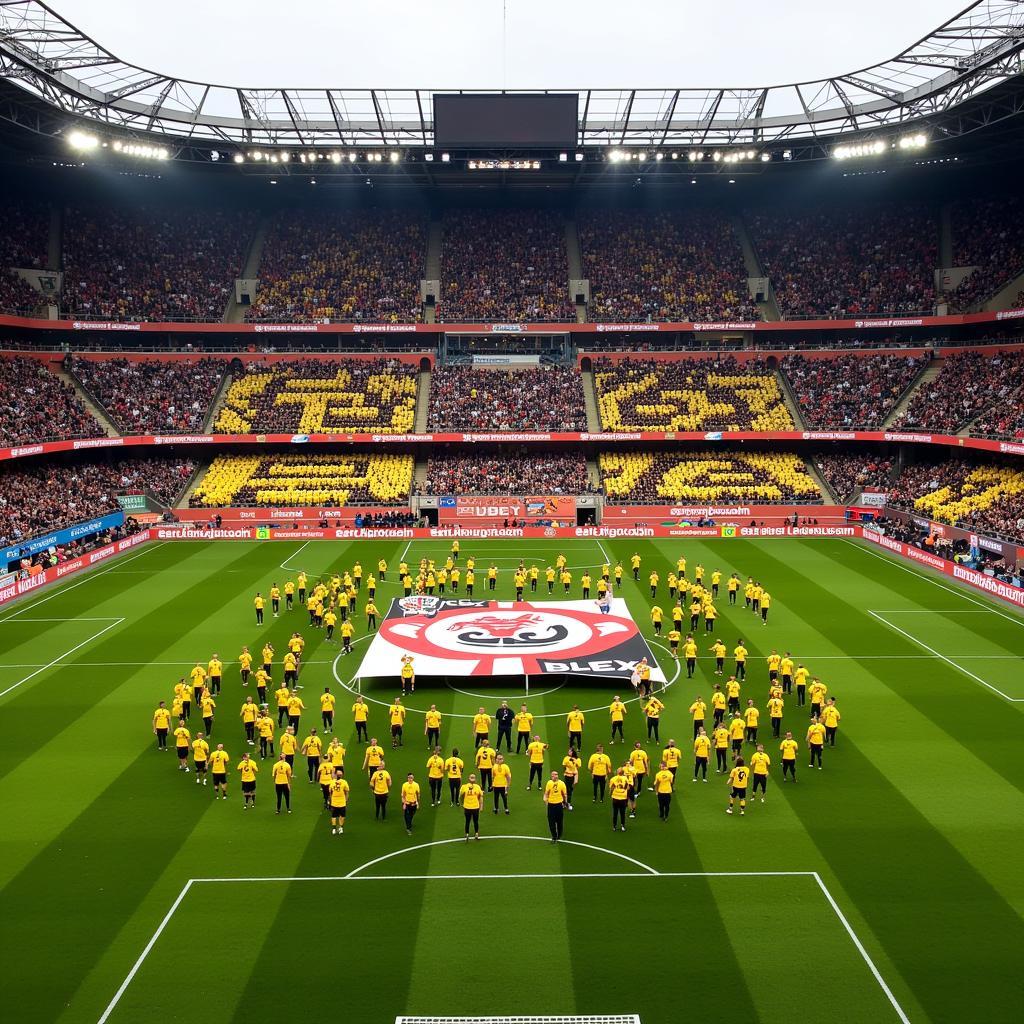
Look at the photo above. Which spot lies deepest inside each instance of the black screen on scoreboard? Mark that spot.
(493, 120)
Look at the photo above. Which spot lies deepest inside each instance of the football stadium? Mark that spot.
(509, 550)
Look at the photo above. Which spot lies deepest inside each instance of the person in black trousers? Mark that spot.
(504, 716)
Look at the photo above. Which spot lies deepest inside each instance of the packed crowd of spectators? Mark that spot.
(51, 495)
(659, 478)
(848, 261)
(152, 263)
(24, 233)
(504, 265)
(36, 405)
(845, 471)
(988, 498)
(848, 392)
(988, 233)
(152, 397)
(664, 266)
(689, 394)
(341, 265)
(305, 479)
(968, 384)
(548, 398)
(520, 473)
(321, 396)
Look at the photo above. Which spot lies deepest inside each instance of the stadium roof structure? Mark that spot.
(60, 71)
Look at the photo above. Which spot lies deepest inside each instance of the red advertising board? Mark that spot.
(474, 508)
(681, 515)
(299, 514)
(13, 587)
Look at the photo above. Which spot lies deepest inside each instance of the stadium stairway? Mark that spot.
(790, 400)
(769, 309)
(575, 264)
(929, 373)
(92, 405)
(233, 312)
(823, 485)
(218, 401)
(191, 484)
(433, 267)
(422, 403)
(590, 402)
(1005, 297)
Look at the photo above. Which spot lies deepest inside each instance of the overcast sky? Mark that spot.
(525, 44)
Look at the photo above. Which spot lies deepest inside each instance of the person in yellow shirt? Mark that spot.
(720, 739)
(396, 715)
(698, 711)
(249, 713)
(718, 650)
(816, 741)
(534, 574)
(295, 709)
(524, 723)
(265, 729)
(360, 715)
(262, 680)
(817, 691)
(556, 799)
(373, 758)
(282, 694)
(571, 766)
(737, 730)
(471, 796)
(732, 586)
(738, 778)
(371, 586)
(732, 691)
(245, 665)
(453, 578)
(501, 780)
(750, 717)
(618, 575)
(657, 615)
(198, 677)
(634, 564)
(535, 751)
(291, 668)
(774, 660)
(653, 582)
(435, 776)
(755, 597)
(672, 755)
(775, 706)
(485, 755)
(407, 673)
(214, 669)
(740, 654)
(301, 579)
(640, 763)
(718, 704)
(786, 671)
(760, 762)
(830, 719)
(312, 747)
(481, 727)
(289, 595)
(689, 653)
(664, 783)
(330, 621)
(617, 711)
(766, 602)
(335, 753)
(701, 754)
(549, 577)
(338, 800)
(289, 744)
(471, 582)
(453, 767)
(619, 787)
(800, 677)
(327, 705)
(380, 787)
(325, 776)
(790, 748)
(281, 773)
(258, 604)
(410, 801)
(653, 709)
(200, 757)
(574, 723)
(247, 771)
(600, 768)
(585, 584)
(432, 726)
(161, 725)
(566, 580)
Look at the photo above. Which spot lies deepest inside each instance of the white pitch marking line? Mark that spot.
(535, 839)
(145, 952)
(61, 657)
(89, 575)
(948, 661)
(860, 949)
(958, 592)
(284, 565)
(76, 618)
(647, 873)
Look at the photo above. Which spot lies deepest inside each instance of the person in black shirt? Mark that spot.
(504, 717)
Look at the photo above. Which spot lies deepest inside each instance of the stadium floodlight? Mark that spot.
(787, 154)
(660, 156)
(429, 157)
(285, 157)
(395, 155)
(641, 157)
(563, 158)
(239, 159)
(335, 157)
(579, 158)
(445, 158)
(849, 152)
(215, 155)
(716, 157)
(732, 181)
(766, 158)
(351, 157)
(82, 140)
(918, 141)
(751, 154)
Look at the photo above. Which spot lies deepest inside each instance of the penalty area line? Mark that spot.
(948, 661)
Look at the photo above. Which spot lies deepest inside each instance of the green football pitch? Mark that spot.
(887, 887)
